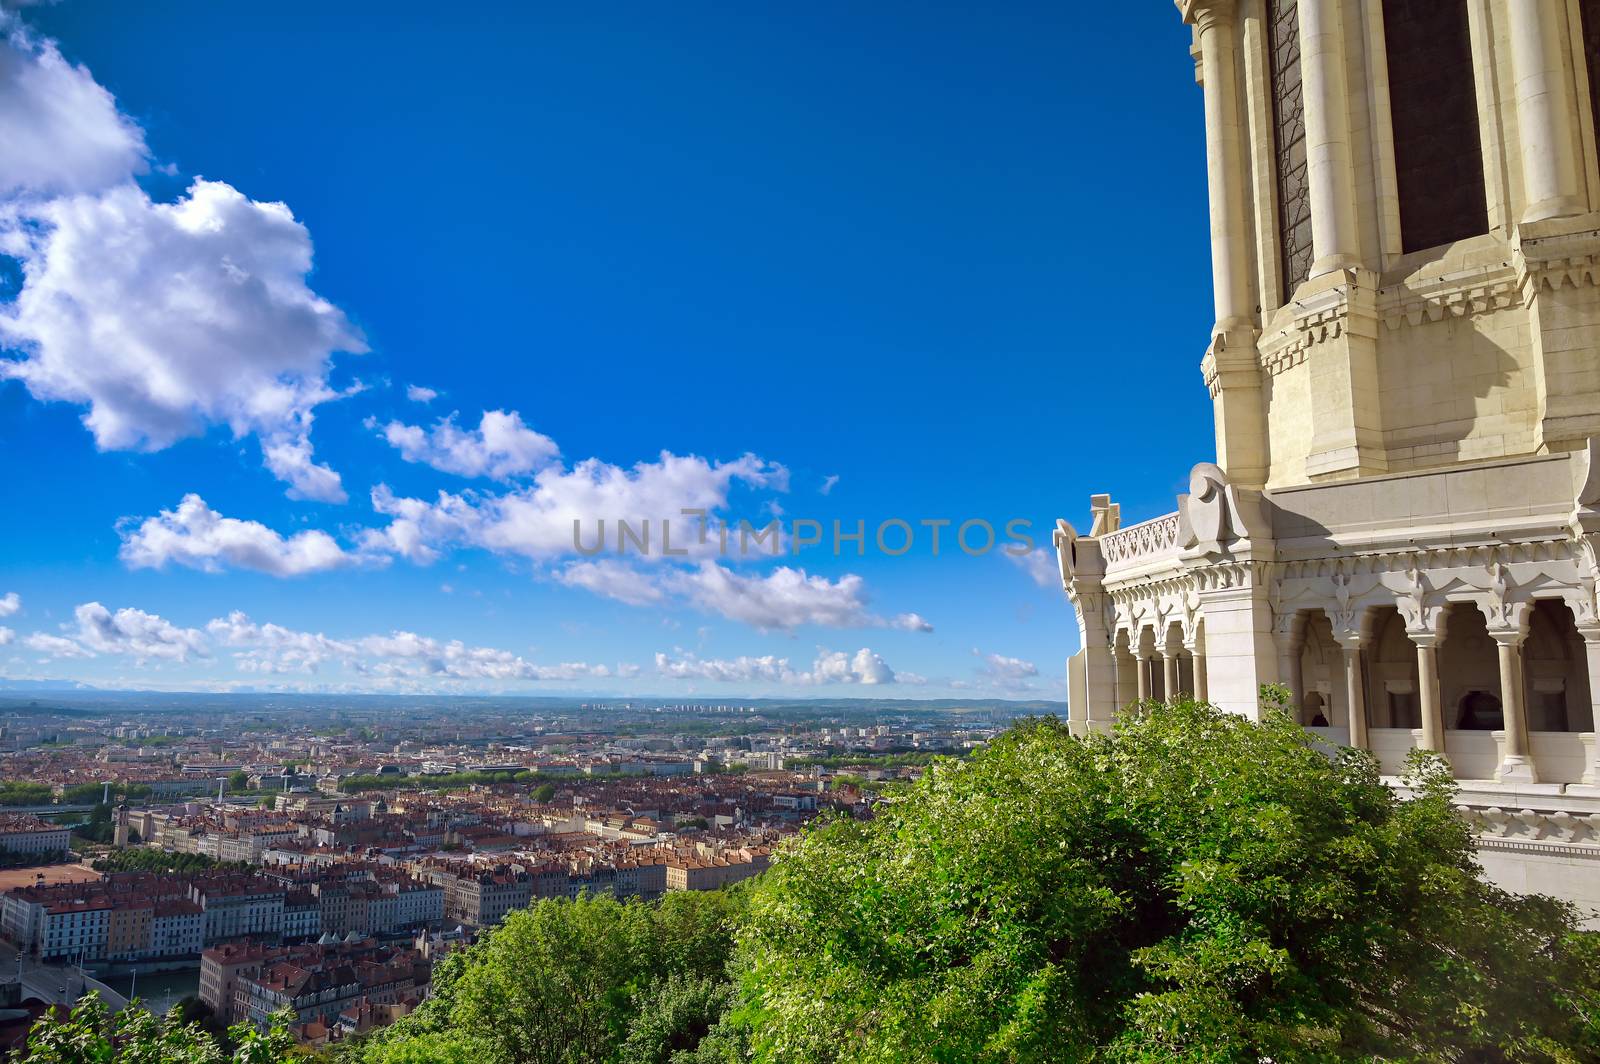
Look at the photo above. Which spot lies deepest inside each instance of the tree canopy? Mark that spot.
(588, 980)
(1193, 886)
(90, 1034)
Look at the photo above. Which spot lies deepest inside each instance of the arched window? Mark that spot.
(1433, 108)
(1289, 144)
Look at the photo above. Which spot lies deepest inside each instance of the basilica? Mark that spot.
(1402, 520)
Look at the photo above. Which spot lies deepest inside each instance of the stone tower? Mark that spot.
(1402, 521)
(1403, 199)
(119, 833)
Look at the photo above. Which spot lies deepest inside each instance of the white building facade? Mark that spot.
(1402, 524)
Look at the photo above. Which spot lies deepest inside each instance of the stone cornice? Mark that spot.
(1548, 259)
(1457, 296)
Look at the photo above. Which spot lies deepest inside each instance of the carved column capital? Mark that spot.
(1206, 13)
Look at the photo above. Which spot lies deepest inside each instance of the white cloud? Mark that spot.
(137, 633)
(56, 646)
(61, 129)
(612, 579)
(1040, 565)
(500, 447)
(272, 649)
(538, 520)
(864, 666)
(418, 394)
(785, 598)
(128, 631)
(199, 537)
(411, 655)
(828, 483)
(162, 319)
(1006, 672)
(7, 636)
(830, 667)
(10, 603)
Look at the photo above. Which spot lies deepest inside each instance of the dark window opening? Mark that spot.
(1289, 144)
(1433, 108)
(1480, 711)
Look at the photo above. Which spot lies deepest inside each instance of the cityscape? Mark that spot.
(319, 855)
(1028, 533)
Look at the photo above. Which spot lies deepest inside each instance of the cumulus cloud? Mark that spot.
(10, 603)
(56, 646)
(612, 579)
(537, 520)
(864, 666)
(196, 536)
(129, 632)
(398, 655)
(1002, 671)
(785, 598)
(7, 636)
(272, 649)
(136, 633)
(418, 394)
(500, 447)
(830, 667)
(61, 129)
(161, 319)
(409, 654)
(166, 318)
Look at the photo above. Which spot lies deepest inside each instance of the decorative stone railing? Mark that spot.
(1147, 539)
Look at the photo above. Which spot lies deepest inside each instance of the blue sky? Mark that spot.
(822, 263)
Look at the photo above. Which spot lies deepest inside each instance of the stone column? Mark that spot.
(1517, 765)
(1142, 664)
(1328, 167)
(1194, 643)
(1355, 693)
(1169, 673)
(1346, 419)
(1591, 647)
(1428, 690)
(1552, 185)
(1225, 180)
(1230, 369)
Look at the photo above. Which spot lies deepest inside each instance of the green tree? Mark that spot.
(1194, 886)
(567, 982)
(544, 792)
(238, 780)
(21, 792)
(90, 1034)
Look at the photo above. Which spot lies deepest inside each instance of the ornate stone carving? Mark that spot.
(1216, 518)
(1065, 539)
(1148, 538)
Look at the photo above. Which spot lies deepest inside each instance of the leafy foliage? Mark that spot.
(149, 859)
(1192, 887)
(22, 792)
(90, 1034)
(575, 981)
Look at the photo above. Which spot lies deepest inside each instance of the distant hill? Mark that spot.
(44, 685)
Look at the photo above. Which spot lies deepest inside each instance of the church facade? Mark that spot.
(1402, 522)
